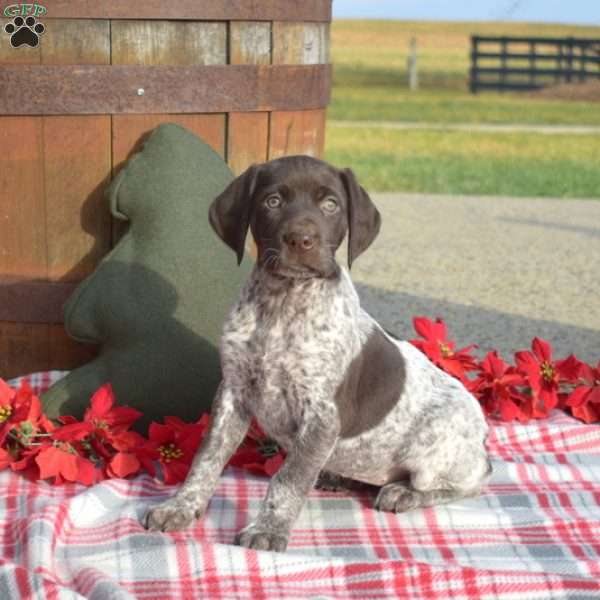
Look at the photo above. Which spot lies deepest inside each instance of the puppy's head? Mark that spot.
(299, 210)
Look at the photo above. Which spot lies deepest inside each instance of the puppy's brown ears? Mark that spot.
(364, 220)
(229, 214)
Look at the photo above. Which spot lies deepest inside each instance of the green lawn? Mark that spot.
(370, 83)
(456, 162)
(356, 103)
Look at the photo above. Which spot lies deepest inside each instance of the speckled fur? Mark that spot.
(285, 350)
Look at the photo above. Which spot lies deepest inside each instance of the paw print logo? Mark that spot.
(24, 32)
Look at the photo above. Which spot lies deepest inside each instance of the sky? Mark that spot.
(585, 12)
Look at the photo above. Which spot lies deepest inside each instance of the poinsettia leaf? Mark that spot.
(6, 458)
(273, 464)
(513, 379)
(594, 396)
(147, 456)
(46, 424)
(548, 397)
(175, 471)
(6, 393)
(465, 351)
(569, 368)
(160, 434)
(526, 360)
(430, 349)
(86, 471)
(257, 468)
(452, 367)
(24, 393)
(123, 416)
(127, 440)
(101, 402)
(441, 332)
(587, 412)
(424, 327)
(175, 423)
(494, 365)
(578, 396)
(245, 456)
(72, 432)
(204, 421)
(54, 462)
(100, 446)
(20, 409)
(124, 464)
(189, 440)
(24, 458)
(528, 366)
(509, 410)
(541, 349)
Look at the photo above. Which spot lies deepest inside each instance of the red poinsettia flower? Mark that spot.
(176, 443)
(103, 418)
(440, 350)
(258, 454)
(257, 463)
(544, 376)
(21, 422)
(32, 420)
(495, 388)
(584, 400)
(15, 406)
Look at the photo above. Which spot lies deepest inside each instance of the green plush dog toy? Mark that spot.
(157, 302)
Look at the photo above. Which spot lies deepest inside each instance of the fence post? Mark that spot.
(582, 62)
(559, 62)
(569, 59)
(413, 74)
(503, 44)
(532, 49)
(473, 80)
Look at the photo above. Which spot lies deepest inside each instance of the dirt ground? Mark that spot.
(499, 271)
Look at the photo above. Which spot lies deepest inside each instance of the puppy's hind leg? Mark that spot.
(424, 490)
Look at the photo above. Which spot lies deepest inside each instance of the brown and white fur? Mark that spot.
(320, 375)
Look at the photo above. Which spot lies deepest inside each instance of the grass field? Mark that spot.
(370, 83)
(454, 162)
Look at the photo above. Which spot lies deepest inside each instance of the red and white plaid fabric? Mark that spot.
(534, 533)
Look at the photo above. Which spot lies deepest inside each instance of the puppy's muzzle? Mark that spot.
(300, 237)
(299, 242)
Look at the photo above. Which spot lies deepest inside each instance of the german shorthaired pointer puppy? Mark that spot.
(320, 375)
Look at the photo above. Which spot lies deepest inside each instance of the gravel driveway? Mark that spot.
(499, 271)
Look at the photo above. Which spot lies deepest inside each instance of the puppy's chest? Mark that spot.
(289, 364)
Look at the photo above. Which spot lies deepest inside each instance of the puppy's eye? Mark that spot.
(329, 205)
(273, 201)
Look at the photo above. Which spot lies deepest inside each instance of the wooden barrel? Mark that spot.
(251, 78)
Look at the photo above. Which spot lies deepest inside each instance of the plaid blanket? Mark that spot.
(534, 533)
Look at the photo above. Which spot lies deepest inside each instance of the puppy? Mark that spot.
(320, 375)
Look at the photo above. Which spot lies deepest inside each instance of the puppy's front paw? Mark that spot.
(262, 538)
(171, 515)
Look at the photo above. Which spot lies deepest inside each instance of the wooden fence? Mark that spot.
(529, 63)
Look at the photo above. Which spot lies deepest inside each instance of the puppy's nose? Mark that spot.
(300, 242)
